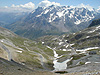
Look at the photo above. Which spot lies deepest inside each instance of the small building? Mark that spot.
(92, 52)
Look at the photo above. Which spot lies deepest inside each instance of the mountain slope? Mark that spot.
(29, 53)
(95, 22)
(53, 20)
(80, 40)
(81, 50)
(83, 47)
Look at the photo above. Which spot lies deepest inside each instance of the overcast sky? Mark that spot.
(32, 4)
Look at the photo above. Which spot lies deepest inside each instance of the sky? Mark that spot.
(32, 4)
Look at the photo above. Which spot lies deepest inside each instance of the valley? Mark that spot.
(50, 40)
(67, 52)
(78, 46)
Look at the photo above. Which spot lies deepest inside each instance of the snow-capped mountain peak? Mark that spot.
(57, 20)
(90, 8)
(77, 14)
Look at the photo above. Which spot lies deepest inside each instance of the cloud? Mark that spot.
(6, 6)
(85, 6)
(98, 8)
(47, 3)
(28, 7)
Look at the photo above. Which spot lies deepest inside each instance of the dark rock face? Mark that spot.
(95, 22)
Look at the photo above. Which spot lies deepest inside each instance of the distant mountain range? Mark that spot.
(7, 18)
(53, 20)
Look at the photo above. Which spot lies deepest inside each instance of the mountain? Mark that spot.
(53, 20)
(95, 22)
(7, 18)
(24, 51)
(83, 47)
(77, 52)
(88, 37)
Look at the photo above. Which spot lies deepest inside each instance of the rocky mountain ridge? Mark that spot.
(53, 20)
(83, 47)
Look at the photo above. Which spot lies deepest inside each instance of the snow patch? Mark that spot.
(97, 28)
(87, 62)
(77, 22)
(60, 14)
(52, 18)
(61, 65)
(54, 39)
(55, 54)
(72, 44)
(88, 49)
(69, 49)
(74, 33)
(19, 48)
(33, 26)
(64, 50)
(97, 62)
(1, 40)
(66, 40)
(42, 42)
(33, 11)
(19, 51)
(73, 11)
(91, 31)
(87, 36)
(67, 46)
(61, 43)
(46, 12)
(71, 15)
(49, 47)
(39, 15)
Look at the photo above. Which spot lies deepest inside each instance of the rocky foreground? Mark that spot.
(14, 68)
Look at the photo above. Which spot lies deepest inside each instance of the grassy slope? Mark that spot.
(81, 40)
(29, 50)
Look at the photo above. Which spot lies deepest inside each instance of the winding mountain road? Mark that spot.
(42, 59)
(7, 50)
